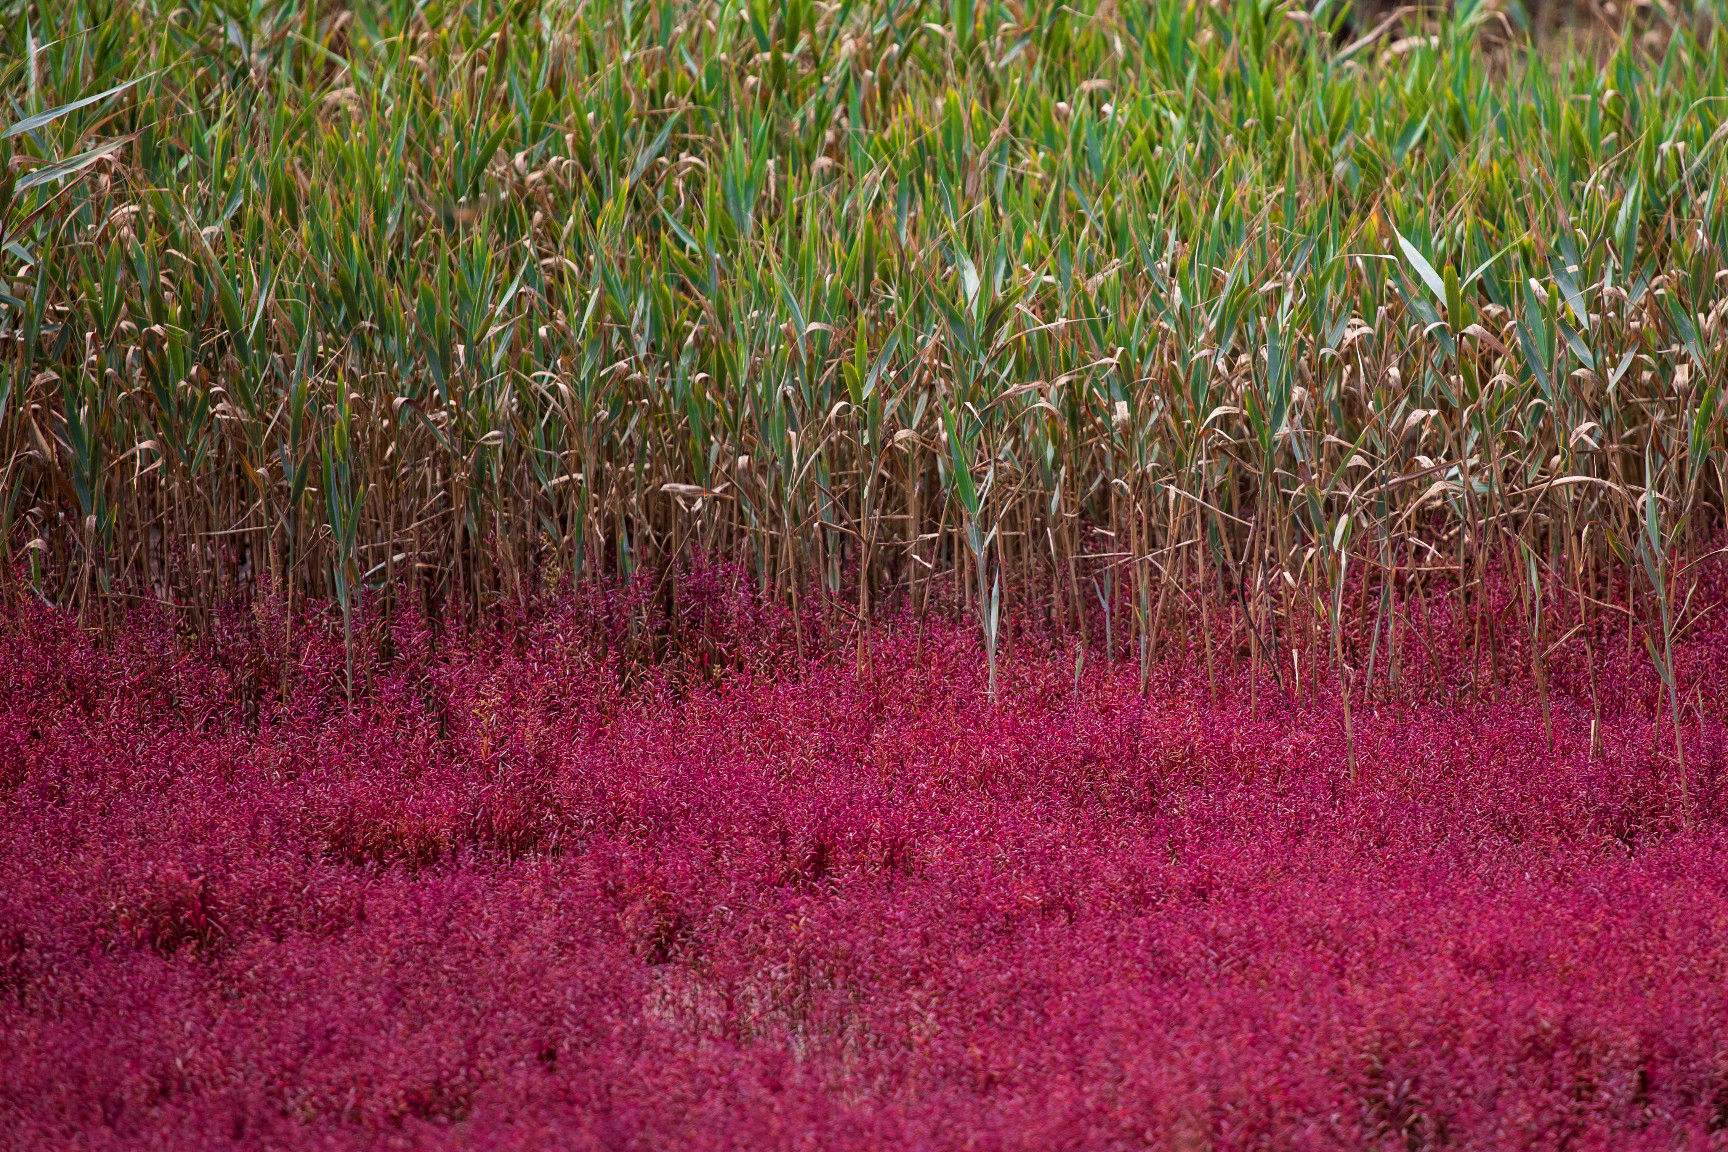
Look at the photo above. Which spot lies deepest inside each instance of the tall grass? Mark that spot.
(1213, 317)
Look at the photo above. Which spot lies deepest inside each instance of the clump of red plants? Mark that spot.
(535, 882)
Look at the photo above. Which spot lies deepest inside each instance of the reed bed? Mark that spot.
(1157, 322)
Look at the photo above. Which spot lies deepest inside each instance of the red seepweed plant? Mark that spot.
(571, 880)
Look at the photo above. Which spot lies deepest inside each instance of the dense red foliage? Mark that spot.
(518, 899)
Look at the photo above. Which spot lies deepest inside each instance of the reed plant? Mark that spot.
(1256, 316)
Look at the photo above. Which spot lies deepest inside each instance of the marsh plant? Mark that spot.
(1233, 308)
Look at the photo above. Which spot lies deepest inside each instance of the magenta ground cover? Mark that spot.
(522, 896)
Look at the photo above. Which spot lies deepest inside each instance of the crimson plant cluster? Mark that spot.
(526, 892)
